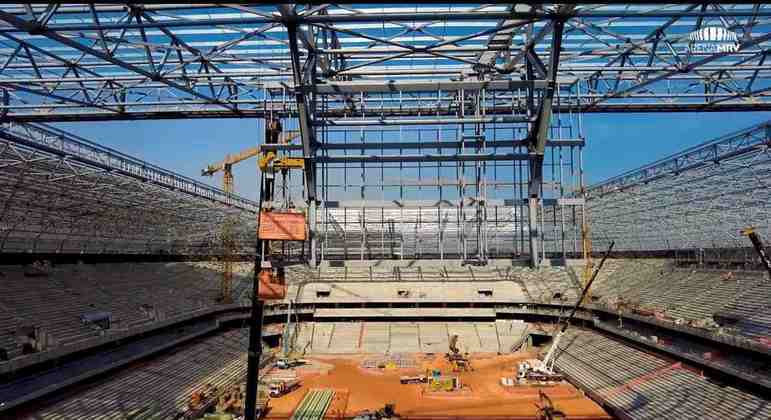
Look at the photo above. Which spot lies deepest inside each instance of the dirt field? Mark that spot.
(358, 389)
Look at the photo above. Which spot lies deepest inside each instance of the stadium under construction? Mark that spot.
(423, 237)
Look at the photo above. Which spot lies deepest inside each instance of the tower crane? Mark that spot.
(226, 167)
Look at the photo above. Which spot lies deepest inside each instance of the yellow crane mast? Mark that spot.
(586, 248)
(586, 244)
(226, 167)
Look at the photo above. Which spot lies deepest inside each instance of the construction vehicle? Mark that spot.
(416, 379)
(546, 408)
(459, 361)
(759, 247)
(444, 383)
(287, 363)
(226, 167)
(387, 412)
(201, 401)
(543, 370)
(434, 380)
(278, 388)
(527, 371)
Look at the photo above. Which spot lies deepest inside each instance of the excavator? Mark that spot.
(543, 370)
(269, 161)
(459, 361)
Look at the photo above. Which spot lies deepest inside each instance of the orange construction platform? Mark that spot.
(358, 389)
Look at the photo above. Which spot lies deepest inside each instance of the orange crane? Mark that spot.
(226, 167)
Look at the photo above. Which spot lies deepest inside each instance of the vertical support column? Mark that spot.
(6, 101)
(312, 236)
(307, 134)
(255, 328)
(537, 145)
(532, 219)
(303, 113)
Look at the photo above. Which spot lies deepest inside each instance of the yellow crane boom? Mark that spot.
(241, 156)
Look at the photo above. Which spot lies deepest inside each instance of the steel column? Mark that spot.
(255, 325)
(538, 141)
(303, 113)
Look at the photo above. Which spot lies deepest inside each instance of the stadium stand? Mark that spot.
(138, 295)
(412, 291)
(162, 386)
(132, 295)
(730, 302)
(640, 386)
(376, 337)
(409, 337)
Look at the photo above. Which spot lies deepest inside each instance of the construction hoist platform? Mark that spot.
(279, 222)
(268, 162)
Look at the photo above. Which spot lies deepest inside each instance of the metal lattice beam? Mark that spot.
(63, 194)
(149, 61)
(701, 197)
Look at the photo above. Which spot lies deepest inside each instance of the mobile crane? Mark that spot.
(268, 162)
(543, 370)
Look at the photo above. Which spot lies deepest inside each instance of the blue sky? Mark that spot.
(615, 142)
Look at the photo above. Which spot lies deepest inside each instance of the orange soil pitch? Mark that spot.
(358, 389)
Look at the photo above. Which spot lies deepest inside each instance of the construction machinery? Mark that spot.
(387, 412)
(444, 383)
(416, 379)
(226, 167)
(459, 361)
(543, 370)
(278, 388)
(287, 363)
(759, 247)
(546, 408)
(435, 381)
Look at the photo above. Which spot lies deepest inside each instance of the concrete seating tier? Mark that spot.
(643, 386)
(510, 334)
(135, 294)
(376, 337)
(690, 296)
(405, 337)
(547, 284)
(402, 292)
(408, 337)
(161, 387)
(412, 271)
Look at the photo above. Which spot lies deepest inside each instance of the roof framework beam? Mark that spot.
(156, 61)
